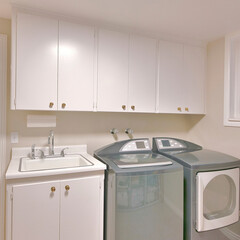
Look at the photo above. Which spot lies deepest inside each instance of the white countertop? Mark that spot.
(17, 153)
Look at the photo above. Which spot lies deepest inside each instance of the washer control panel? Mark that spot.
(136, 145)
(165, 143)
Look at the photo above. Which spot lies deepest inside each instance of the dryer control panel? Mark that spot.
(136, 145)
(166, 143)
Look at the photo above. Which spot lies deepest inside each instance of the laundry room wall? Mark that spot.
(209, 131)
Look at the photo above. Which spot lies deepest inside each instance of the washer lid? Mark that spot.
(203, 158)
(140, 160)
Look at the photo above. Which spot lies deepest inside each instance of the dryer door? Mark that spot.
(217, 199)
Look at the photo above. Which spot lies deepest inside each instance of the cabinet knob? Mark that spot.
(53, 189)
(67, 187)
(186, 109)
(124, 107)
(179, 109)
(51, 104)
(133, 107)
(63, 105)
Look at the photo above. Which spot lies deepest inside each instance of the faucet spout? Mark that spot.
(51, 142)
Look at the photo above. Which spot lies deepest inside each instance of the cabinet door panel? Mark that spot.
(35, 211)
(142, 74)
(76, 67)
(80, 209)
(112, 70)
(194, 73)
(171, 81)
(36, 73)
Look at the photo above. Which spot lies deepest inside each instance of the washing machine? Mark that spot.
(143, 193)
(211, 188)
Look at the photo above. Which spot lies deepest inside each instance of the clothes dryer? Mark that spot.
(211, 185)
(143, 193)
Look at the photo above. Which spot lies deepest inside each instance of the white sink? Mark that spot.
(39, 164)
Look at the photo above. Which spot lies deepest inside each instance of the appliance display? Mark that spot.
(211, 188)
(143, 193)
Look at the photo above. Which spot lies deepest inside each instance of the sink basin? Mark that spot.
(39, 164)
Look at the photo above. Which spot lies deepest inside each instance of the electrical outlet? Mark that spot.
(14, 137)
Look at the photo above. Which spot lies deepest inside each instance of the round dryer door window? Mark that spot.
(217, 199)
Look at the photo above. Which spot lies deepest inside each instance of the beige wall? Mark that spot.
(209, 131)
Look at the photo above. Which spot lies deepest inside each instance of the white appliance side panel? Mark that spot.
(76, 67)
(202, 180)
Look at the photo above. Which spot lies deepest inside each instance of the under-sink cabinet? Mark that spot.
(61, 208)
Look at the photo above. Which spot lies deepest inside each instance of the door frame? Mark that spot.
(3, 103)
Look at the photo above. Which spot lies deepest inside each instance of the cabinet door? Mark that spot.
(80, 213)
(194, 74)
(36, 62)
(76, 67)
(35, 211)
(112, 71)
(171, 81)
(142, 74)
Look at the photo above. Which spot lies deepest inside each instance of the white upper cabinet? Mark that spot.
(194, 74)
(36, 62)
(142, 74)
(76, 67)
(181, 78)
(171, 79)
(112, 71)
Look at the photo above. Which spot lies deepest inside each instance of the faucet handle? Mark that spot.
(33, 151)
(42, 153)
(62, 152)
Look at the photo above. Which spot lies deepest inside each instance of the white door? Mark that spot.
(36, 62)
(35, 211)
(112, 71)
(194, 75)
(76, 67)
(80, 211)
(171, 82)
(142, 74)
(217, 195)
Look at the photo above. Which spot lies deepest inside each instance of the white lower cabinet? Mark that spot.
(53, 210)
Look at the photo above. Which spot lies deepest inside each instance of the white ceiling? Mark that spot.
(204, 20)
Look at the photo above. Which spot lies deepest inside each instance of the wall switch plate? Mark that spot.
(14, 137)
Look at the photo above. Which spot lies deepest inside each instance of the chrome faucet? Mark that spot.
(51, 143)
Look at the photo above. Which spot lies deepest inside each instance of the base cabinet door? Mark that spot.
(80, 209)
(35, 211)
